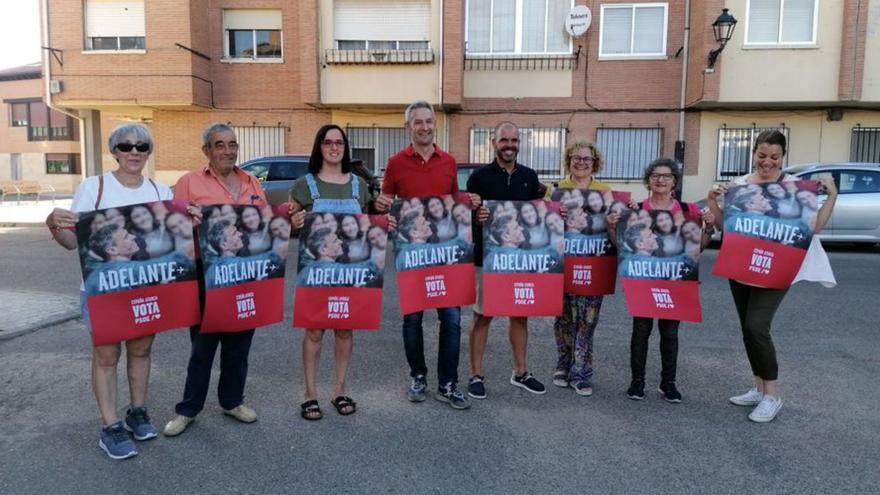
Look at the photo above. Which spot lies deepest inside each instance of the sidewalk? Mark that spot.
(29, 212)
(23, 312)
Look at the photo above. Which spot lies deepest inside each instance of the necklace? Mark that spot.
(140, 181)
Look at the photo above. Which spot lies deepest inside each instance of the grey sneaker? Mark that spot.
(449, 394)
(560, 379)
(416, 391)
(116, 443)
(582, 388)
(750, 398)
(137, 421)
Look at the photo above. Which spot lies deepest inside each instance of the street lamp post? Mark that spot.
(723, 30)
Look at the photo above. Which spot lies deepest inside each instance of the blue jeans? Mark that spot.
(449, 347)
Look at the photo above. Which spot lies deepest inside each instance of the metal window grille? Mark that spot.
(540, 148)
(627, 151)
(259, 141)
(735, 150)
(375, 145)
(865, 145)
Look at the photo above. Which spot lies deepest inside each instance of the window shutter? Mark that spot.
(627, 151)
(504, 26)
(111, 18)
(648, 30)
(616, 30)
(478, 26)
(382, 20)
(533, 26)
(557, 38)
(250, 19)
(763, 21)
(797, 21)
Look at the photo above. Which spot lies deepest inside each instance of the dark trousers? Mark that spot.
(234, 349)
(756, 307)
(638, 347)
(449, 345)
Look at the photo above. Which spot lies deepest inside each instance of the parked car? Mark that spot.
(856, 216)
(277, 174)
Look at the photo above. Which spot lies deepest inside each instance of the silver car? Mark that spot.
(856, 216)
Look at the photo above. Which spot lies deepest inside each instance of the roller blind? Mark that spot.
(251, 19)
(111, 18)
(797, 21)
(399, 20)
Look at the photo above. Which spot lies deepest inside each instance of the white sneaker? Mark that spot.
(766, 410)
(750, 398)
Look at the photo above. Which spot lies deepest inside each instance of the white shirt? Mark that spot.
(115, 194)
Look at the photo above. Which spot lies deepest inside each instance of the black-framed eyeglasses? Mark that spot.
(330, 143)
(662, 176)
(127, 147)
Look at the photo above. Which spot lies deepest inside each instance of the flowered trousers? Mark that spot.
(574, 336)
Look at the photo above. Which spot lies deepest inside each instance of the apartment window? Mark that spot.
(627, 151)
(115, 25)
(382, 24)
(540, 148)
(18, 114)
(781, 22)
(66, 163)
(259, 141)
(252, 35)
(735, 150)
(513, 27)
(865, 145)
(375, 145)
(633, 30)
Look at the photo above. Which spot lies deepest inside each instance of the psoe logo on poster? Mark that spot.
(582, 275)
(245, 305)
(337, 308)
(146, 309)
(523, 293)
(435, 286)
(662, 298)
(761, 261)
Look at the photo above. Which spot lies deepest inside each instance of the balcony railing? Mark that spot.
(332, 56)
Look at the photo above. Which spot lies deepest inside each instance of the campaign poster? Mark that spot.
(658, 264)
(522, 259)
(434, 252)
(339, 271)
(139, 273)
(244, 252)
(767, 230)
(590, 257)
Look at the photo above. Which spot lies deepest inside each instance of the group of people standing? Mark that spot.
(421, 170)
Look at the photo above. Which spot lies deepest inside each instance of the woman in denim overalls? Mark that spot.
(343, 193)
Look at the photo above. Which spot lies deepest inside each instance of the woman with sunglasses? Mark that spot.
(580, 314)
(330, 188)
(131, 145)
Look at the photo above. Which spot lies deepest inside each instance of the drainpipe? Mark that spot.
(440, 84)
(47, 77)
(680, 144)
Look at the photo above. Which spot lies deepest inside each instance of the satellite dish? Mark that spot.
(578, 21)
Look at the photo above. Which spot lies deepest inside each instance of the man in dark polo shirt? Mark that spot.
(503, 180)
(422, 169)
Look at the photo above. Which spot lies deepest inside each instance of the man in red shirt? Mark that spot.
(220, 182)
(422, 169)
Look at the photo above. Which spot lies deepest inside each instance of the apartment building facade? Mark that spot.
(635, 83)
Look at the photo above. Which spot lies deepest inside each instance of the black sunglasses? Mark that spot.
(126, 147)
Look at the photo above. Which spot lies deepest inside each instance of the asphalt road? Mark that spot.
(825, 440)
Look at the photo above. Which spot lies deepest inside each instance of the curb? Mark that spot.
(22, 224)
(48, 323)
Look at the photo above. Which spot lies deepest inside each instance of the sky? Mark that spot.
(19, 32)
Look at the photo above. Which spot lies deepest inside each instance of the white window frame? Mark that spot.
(779, 43)
(229, 59)
(138, 34)
(517, 37)
(661, 55)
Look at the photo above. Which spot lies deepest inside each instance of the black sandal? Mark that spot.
(310, 410)
(342, 402)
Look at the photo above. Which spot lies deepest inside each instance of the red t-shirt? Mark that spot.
(409, 176)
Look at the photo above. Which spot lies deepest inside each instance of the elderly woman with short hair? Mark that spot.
(131, 145)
